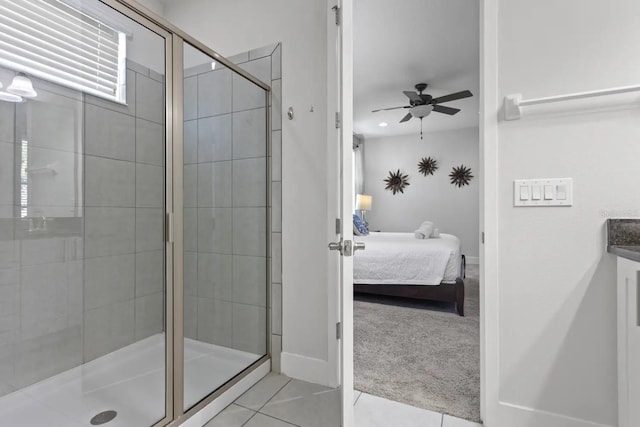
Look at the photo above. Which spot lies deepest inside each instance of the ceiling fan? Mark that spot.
(421, 105)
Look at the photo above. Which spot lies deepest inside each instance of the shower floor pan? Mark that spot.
(130, 381)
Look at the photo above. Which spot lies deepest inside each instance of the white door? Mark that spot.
(341, 152)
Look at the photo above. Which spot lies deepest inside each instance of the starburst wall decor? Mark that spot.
(460, 175)
(427, 166)
(396, 182)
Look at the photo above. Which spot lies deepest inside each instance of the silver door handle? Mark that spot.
(358, 246)
(335, 246)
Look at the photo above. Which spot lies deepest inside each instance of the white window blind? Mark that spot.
(53, 41)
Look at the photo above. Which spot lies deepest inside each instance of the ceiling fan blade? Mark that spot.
(406, 118)
(446, 110)
(392, 108)
(452, 97)
(412, 96)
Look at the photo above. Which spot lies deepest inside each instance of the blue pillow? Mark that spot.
(359, 227)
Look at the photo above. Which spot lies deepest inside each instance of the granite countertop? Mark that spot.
(623, 238)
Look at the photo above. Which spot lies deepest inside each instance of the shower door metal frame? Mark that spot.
(175, 38)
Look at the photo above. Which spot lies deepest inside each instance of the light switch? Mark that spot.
(543, 192)
(535, 192)
(561, 192)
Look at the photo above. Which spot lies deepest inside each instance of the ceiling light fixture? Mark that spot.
(420, 112)
(22, 86)
(383, 124)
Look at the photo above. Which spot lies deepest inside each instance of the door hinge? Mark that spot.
(482, 236)
(338, 225)
(337, 11)
(338, 330)
(338, 121)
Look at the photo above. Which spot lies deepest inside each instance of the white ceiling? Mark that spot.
(398, 43)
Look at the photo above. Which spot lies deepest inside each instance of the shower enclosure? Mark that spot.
(134, 220)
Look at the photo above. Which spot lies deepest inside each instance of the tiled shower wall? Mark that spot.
(226, 205)
(81, 261)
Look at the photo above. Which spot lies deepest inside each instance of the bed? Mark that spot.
(398, 264)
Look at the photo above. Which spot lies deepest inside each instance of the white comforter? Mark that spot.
(401, 259)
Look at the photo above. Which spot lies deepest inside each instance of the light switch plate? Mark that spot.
(549, 188)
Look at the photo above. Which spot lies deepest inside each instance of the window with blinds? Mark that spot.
(53, 41)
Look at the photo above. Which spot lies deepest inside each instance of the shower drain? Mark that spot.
(103, 418)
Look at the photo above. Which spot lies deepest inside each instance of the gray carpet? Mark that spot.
(420, 353)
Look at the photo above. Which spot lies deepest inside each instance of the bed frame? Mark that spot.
(447, 292)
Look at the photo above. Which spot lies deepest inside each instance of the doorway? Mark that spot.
(402, 212)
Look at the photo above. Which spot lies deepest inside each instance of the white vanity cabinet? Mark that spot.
(628, 343)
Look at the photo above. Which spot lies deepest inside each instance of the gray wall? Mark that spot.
(432, 198)
(92, 281)
(226, 204)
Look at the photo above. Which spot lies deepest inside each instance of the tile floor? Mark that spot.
(278, 401)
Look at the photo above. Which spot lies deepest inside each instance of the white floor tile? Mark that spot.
(450, 421)
(256, 397)
(305, 404)
(261, 420)
(373, 411)
(232, 416)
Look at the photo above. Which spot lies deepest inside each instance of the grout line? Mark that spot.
(246, 422)
(281, 420)
(274, 394)
(441, 420)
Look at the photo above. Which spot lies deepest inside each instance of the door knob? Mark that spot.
(336, 246)
(358, 246)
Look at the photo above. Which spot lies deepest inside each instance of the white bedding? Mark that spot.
(401, 259)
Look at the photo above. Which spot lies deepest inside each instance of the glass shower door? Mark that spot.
(225, 223)
(82, 211)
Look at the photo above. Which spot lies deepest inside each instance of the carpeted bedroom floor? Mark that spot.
(420, 353)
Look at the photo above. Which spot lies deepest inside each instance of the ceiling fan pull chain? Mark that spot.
(420, 129)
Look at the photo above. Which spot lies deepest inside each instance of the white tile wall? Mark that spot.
(249, 182)
(109, 231)
(214, 184)
(109, 182)
(215, 276)
(149, 99)
(214, 93)
(108, 328)
(249, 136)
(149, 142)
(250, 231)
(149, 273)
(230, 268)
(249, 326)
(214, 138)
(109, 280)
(249, 278)
(149, 186)
(109, 134)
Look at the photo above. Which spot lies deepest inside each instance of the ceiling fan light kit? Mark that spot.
(421, 105)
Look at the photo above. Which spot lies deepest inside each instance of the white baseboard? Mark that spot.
(307, 369)
(515, 415)
(214, 408)
(472, 259)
